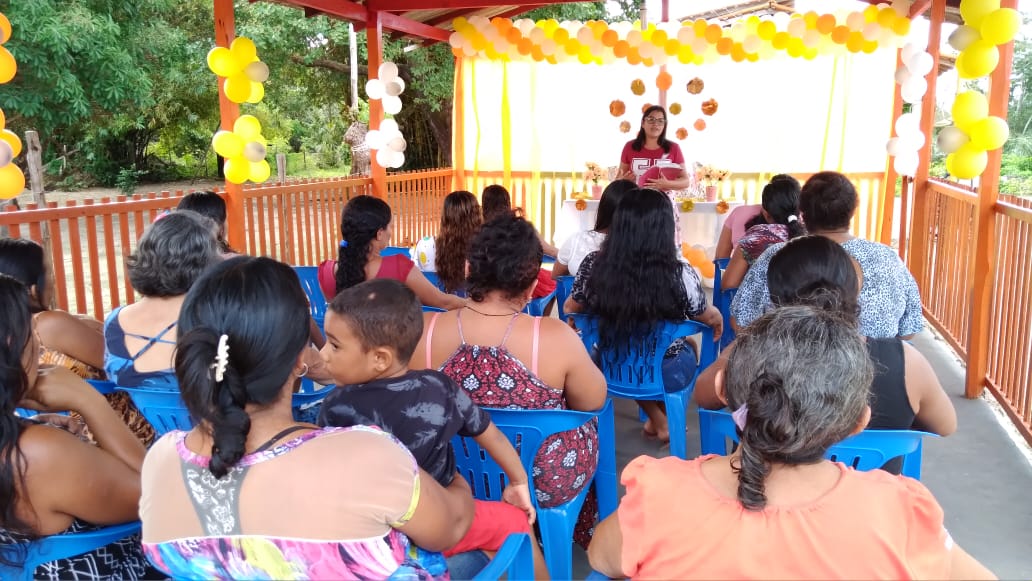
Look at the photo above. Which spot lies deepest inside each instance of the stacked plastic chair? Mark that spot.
(39, 551)
(563, 288)
(527, 429)
(722, 301)
(637, 373)
(868, 450)
(514, 560)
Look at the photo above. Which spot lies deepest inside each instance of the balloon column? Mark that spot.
(243, 148)
(388, 141)
(12, 180)
(974, 132)
(909, 138)
(243, 72)
(244, 151)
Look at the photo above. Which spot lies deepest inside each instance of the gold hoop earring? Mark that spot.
(304, 371)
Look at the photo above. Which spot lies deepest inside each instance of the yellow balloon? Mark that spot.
(1000, 26)
(949, 164)
(5, 29)
(3, 119)
(977, 60)
(12, 139)
(257, 92)
(259, 171)
(244, 51)
(969, 108)
(237, 170)
(969, 162)
(974, 11)
(238, 88)
(221, 62)
(247, 127)
(12, 181)
(990, 133)
(8, 66)
(227, 144)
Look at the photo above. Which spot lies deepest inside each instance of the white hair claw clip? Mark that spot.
(221, 358)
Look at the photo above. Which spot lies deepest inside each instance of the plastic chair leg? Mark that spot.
(677, 411)
(606, 483)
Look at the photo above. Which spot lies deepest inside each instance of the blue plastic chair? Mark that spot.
(722, 301)
(102, 386)
(868, 450)
(309, 277)
(40, 551)
(434, 279)
(526, 430)
(514, 560)
(536, 307)
(563, 288)
(392, 250)
(638, 373)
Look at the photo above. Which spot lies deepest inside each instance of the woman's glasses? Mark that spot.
(655, 120)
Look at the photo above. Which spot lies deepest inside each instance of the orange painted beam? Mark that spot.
(919, 7)
(228, 112)
(983, 262)
(374, 44)
(407, 26)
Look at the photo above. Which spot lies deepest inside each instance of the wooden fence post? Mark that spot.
(34, 157)
(281, 167)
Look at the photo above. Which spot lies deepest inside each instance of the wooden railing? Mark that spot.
(541, 196)
(416, 199)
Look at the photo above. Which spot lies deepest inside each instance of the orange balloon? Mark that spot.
(610, 38)
(524, 46)
(714, 33)
(513, 35)
(5, 29)
(699, 125)
(457, 52)
(737, 52)
(724, 46)
(633, 58)
(841, 34)
(664, 81)
(8, 66)
(708, 269)
(621, 49)
(825, 23)
(12, 181)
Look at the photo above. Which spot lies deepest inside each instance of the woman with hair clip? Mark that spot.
(778, 222)
(581, 244)
(637, 280)
(220, 501)
(365, 228)
(906, 394)
(446, 255)
(52, 482)
(775, 508)
(651, 148)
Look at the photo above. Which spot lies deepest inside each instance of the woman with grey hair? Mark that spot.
(140, 338)
(798, 381)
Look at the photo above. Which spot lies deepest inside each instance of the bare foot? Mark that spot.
(651, 433)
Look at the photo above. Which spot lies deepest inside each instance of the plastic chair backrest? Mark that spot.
(309, 277)
(392, 250)
(722, 301)
(563, 288)
(164, 409)
(102, 386)
(434, 280)
(637, 371)
(514, 560)
(40, 551)
(536, 307)
(867, 450)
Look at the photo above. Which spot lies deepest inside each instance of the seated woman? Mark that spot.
(446, 255)
(365, 226)
(51, 481)
(775, 509)
(779, 222)
(220, 501)
(630, 294)
(906, 393)
(496, 202)
(211, 206)
(140, 338)
(581, 244)
(890, 304)
(735, 226)
(493, 351)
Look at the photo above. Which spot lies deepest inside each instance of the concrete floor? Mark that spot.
(982, 479)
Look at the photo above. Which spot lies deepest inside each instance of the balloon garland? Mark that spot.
(12, 180)
(388, 141)
(243, 148)
(750, 39)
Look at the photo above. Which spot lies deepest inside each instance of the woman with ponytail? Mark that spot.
(222, 501)
(366, 229)
(775, 508)
(777, 222)
(52, 482)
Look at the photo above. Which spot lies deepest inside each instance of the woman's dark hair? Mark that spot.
(172, 254)
(506, 256)
(495, 201)
(636, 280)
(803, 374)
(23, 260)
(611, 198)
(639, 141)
(460, 221)
(258, 304)
(780, 199)
(361, 220)
(15, 331)
(816, 271)
(212, 206)
(828, 201)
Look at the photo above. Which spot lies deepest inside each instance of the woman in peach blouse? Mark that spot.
(775, 509)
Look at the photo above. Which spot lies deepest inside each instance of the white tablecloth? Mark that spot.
(700, 227)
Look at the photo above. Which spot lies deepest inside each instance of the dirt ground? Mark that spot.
(99, 193)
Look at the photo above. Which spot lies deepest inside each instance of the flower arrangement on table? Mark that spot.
(594, 172)
(711, 175)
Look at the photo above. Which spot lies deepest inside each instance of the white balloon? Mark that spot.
(397, 159)
(781, 19)
(455, 39)
(871, 31)
(902, 75)
(526, 25)
(963, 36)
(401, 84)
(384, 157)
(397, 144)
(374, 139)
(393, 88)
(911, 141)
(914, 89)
(908, 123)
(902, 7)
(374, 89)
(855, 21)
(389, 71)
(951, 138)
(254, 151)
(906, 163)
(389, 127)
(909, 50)
(921, 64)
(6, 153)
(257, 71)
(391, 105)
(894, 147)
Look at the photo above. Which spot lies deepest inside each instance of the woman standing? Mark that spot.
(651, 148)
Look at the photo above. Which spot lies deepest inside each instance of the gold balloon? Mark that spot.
(1000, 26)
(12, 181)
(247, 127)
(8, 66)
(221, 62)
(974, 11)
(3, 119)
(969, 162)
(977, 60)
(969, 108)
(227, 144)
(5, 29)
(990, 133)
(244, 51)
(259, 171)
(257, 93)
(12, 139)
(237, 170)
(238, 88)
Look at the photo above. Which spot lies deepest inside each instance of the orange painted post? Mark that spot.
(919, 229)
(374, 46)
(889, 190)
(985, 231)
(228, 113)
